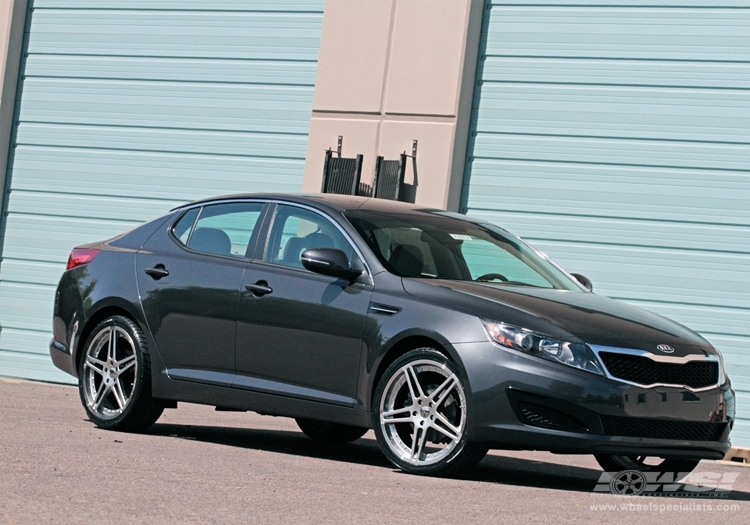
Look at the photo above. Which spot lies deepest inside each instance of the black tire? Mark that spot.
(424, 388)
(639, 463)
(330, 432)
(115, 393)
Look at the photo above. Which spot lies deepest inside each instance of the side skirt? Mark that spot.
(266, 404)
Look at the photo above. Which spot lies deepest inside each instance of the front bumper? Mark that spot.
(521, 402)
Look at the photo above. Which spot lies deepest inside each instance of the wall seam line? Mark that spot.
(386, 75)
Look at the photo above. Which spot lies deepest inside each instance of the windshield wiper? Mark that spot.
(513, 283)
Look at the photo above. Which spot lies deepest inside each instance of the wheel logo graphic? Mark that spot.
(628, 483)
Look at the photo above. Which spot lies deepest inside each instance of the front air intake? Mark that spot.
(540, 416)
(662, 429)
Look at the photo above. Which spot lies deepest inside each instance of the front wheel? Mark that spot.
(114, 378)
(419, 416)
(645, 464)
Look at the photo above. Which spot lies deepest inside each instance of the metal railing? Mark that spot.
(341, 175)
(389, 177)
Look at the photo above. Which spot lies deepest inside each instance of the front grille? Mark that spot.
(645, 371)
(662, 429)
(539, 416)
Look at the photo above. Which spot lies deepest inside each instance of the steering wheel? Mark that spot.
(492, 277)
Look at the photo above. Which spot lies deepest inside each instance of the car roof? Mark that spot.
(340, 203)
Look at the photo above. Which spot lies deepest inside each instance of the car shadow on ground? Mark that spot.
(496, 469)
(363, 451)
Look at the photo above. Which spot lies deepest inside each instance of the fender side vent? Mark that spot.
(384, 309)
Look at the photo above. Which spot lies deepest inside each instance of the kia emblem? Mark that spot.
(665, 348)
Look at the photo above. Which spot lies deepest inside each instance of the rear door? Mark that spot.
(304, 337)
(189, 276)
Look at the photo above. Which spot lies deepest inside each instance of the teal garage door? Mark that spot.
(617, 139)
(128, 108)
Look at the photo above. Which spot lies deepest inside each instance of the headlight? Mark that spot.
(577, 355)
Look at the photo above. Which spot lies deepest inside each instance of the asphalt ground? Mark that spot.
(200, 466)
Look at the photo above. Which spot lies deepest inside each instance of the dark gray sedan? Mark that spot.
(446, 335)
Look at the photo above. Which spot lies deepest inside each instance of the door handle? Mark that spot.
(259, 289)
(157, 272)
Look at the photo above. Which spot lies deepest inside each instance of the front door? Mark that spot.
(189, 277)
(303, 338)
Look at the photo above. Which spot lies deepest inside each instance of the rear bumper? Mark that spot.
(67, 321)
(61, 357)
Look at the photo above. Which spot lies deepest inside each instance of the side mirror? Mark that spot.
(329, 261)
(585, 281)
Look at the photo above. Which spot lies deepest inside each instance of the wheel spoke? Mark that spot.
(111, 354)
(389, 417)
(101, 393)
(415, 441)
(396, 421)
(397, 411)
(411, 379)
(126, 363)
(119, 395)
(450, 432)
(95, 364)
(416, 452)
(440, 393)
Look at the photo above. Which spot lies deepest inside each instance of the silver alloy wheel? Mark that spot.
(423, 412)
(110, 371)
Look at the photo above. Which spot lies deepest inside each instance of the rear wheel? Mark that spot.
(419, 416)
(645, 464)
(114, 378)
(330, 432)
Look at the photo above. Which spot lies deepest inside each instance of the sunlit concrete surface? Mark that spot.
(200, 466)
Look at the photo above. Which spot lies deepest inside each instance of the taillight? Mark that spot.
(81, 256)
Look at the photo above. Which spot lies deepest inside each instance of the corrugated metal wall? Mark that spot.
(616, 138)
(128, 108)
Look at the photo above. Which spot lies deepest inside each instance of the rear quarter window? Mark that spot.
(220, 229)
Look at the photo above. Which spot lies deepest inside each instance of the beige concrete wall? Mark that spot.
(391, 72)
(6, 15)
(12, 21)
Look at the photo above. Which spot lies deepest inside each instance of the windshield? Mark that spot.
(440, 246)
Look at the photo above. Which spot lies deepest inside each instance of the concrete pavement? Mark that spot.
(200, 466)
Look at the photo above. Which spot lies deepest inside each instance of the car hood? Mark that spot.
(587, 317)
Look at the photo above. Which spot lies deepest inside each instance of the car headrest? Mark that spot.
(211, 240)
(292, 251)
(317, 240)
(407, 260)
